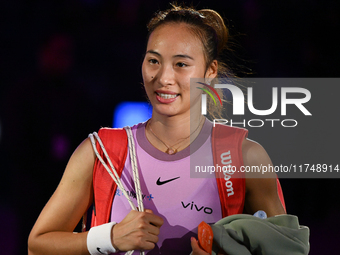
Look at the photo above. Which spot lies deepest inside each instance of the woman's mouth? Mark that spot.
(166, 98)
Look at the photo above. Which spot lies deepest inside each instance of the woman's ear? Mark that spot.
(212, 70)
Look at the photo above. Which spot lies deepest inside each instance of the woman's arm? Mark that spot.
(53, 231)
(261, 189)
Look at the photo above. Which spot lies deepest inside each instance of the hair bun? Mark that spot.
(215, 21)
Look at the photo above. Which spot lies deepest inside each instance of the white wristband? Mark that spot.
(99, 239)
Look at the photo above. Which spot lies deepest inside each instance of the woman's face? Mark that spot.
(173, 56)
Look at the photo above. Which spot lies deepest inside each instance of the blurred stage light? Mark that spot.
(131, 113)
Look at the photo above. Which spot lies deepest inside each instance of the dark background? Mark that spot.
(65, 65)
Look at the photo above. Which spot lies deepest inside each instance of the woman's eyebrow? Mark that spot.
(153, 52)
(183, 56)
(175, 56)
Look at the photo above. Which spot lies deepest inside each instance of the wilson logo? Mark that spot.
(193, 206)
(226, 161)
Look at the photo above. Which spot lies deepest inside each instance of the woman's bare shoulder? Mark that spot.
(73, 195)
(253, 153)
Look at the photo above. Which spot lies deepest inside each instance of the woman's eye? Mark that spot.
(153, 61)
(181, 64)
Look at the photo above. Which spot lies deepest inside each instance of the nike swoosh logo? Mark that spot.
(98, 249)
(159, 182)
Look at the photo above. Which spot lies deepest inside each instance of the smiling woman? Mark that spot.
(182, 44)
(172, 61)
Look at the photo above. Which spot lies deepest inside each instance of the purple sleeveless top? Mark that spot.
(169, 191)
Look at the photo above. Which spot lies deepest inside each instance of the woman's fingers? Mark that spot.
(196, 250)
(154, 219)
(138, 230)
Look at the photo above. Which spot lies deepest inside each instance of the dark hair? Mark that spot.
(207, 24)
(210, 28)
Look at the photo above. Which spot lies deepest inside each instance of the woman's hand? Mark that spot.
(196, 249)
(137, 231)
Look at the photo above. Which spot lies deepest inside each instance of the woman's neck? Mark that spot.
(173, 133)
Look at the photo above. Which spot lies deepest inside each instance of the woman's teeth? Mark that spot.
(167, 96)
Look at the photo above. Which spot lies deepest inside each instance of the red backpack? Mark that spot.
(227, 150)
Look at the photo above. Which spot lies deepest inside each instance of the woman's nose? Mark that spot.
(167, 75)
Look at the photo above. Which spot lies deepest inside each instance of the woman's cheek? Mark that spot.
(149, 73)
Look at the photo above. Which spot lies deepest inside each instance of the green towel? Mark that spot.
(243, 234)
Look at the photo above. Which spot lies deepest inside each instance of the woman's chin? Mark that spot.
(167, 113)
(166, 110)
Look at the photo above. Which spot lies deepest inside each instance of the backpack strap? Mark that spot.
(227, 151)
(280, 193)
(104, 188)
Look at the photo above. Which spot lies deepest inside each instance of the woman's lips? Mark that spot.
(166, 98)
